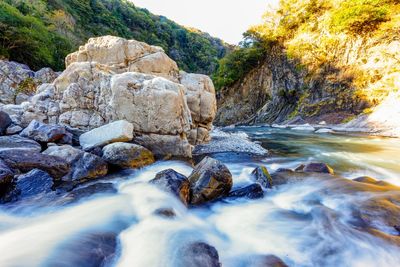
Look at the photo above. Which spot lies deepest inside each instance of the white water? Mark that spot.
(295, 222)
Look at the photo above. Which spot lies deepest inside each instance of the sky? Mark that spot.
(226, 19)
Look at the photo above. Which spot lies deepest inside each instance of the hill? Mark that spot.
(40, 33)
(322, 60)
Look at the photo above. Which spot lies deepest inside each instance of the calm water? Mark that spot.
(294, 222)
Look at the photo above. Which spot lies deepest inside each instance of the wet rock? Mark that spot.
(165, 212)
(84, 166)
(283, 170)
(16, 143)
(30, 184)
(262, 176)
(300, 168)
(199, 254)
(88, 191)
(76, 133)
(6, 175)
(44, 133)
(118, 131)
(125, 155)
(26, 161)
(318, 167)
(209, 180)
(5, 121)
(13, 130)
(253, 191)
(370, 180)
(175, 183)
(267, 261)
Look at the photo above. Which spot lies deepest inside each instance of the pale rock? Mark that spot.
(118, 131)
(324, 130)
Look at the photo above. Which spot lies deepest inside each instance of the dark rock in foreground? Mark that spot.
(84, 166)
(88, 191)
(17, 143)
(175, 183)
(45, 133)
(262, 176)
(209, 180)
(125, 155)
(5, 121)
(198, 254)
(26, 161)
(6, 175)
(253, 191)
(30, 184)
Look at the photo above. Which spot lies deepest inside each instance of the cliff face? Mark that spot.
(317, 73)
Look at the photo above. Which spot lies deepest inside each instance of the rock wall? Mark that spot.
(111, 79)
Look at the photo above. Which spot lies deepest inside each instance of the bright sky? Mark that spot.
(226, 19)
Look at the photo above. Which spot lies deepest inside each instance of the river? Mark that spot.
(298, 222)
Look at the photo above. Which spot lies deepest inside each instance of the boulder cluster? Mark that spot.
(110, 79)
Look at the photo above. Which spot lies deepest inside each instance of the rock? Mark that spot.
(174, 183)
(84, 166)
(165, 212)
(209, 180)
(318, 167)
(13, 130)
(121, 55)
(31, 184)
(17, 143)
(300, 168)
(266, 261)
(166, 145)
(298, 120)
(27, 160)
(198, 254)
(117, 131)
(284, 170)
(88, 191)
(253, 191)
(6, 175)
(5, 121)
(12, 74)
(262, 176)
(76, 133)
(44, 133)
(324, 130)
(126, 155)
(370, 180)
(46, 75)
(306, 127)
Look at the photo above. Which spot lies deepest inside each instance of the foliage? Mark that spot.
(41, 33)
(359, 16)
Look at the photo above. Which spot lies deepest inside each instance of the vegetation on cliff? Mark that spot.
(41, 33)
(345, 51)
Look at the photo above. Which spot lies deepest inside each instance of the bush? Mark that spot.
(359, 16)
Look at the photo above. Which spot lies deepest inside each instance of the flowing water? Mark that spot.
(294, 222)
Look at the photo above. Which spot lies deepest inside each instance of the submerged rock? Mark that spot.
(253, 191)
(5, 121)
(318, 167)
(117, 131)
(175, 183)
(262, 176)
(44, 133)
(26, 161)
(198, 254)
(209, 180)
(16, 143)
(84, 166)
(90, 190)
(126, 155)
(266, 261)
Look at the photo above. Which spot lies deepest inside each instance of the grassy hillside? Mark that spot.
(42, 32)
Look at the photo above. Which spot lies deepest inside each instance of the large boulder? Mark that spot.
(118, 131)
(122, 55)
(175, 183)
(125, 155)
(262, 176)
(26, 161)
(253, 191)
(17, 143)
(84, 166)
(209, 180)
(318, 167)
(5, 121)
(44, 133)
